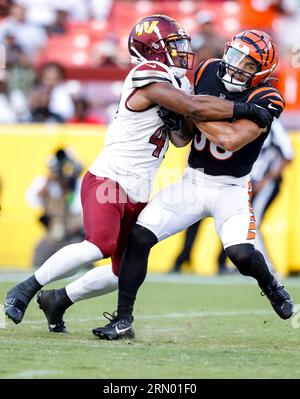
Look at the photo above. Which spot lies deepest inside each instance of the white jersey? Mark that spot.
(137, 141)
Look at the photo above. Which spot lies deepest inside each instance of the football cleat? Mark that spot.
(47, 300)
(280, 299)
(18, 298)
(15, 305)
(116, 328)
(14, 309)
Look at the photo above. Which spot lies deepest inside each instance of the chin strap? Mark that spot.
(234, 85)
(138, 58)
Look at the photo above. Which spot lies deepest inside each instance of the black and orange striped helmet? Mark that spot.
(261, 49)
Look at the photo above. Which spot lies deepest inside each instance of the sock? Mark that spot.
(63, 301)
(133, 268)
(27, 289)
(260, 246)
(96, 282)
(130, 280)
(251, 262)
(260, 270)
(67, 261)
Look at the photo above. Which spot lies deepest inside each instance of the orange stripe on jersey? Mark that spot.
(273, 94)
(258, 91)
(251, 235)
(278, 103)
(252, 224)
(202, 69)
(250, 190)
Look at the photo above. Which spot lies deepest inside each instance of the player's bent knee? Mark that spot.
(141, 238)
(240, 255)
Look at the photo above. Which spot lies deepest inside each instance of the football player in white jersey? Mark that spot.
(116, 188)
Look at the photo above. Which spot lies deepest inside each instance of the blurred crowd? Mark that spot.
(35, 90)
(33, 93)
(57, 196)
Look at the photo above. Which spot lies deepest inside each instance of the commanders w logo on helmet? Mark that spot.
(145, 27)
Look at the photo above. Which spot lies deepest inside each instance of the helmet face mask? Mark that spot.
(181, 53)
(240, 68)
(248, 59)
(160, 38)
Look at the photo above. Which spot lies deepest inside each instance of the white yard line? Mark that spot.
(219, 313)
(33, 373)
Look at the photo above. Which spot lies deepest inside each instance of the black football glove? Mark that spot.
(261, 116)
(172, 120)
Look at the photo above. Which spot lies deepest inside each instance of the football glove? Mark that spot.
(172, 120)
(261, 116)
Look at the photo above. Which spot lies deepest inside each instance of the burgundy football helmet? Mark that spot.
(161, 38)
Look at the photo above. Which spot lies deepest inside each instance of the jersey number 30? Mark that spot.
(217, 152)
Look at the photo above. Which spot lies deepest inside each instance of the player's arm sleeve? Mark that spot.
(149, 73)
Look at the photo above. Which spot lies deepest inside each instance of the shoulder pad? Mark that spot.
(202, 67)
(150, 72)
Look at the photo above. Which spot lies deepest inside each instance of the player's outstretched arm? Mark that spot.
(230, 136)
(200, 107)
(197, 107)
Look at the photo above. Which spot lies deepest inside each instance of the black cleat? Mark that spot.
(14, 308)
(47, 300)
(116, 329)
(280, 299)
(18, 298)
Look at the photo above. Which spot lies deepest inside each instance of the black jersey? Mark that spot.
(214, 160)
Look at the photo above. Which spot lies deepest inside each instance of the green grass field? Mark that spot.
(186, 327)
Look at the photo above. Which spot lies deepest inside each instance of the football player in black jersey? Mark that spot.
(216, 183)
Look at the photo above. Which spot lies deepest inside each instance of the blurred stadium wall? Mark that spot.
(24, 150)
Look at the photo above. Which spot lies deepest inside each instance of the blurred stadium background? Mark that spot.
(65, 62)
